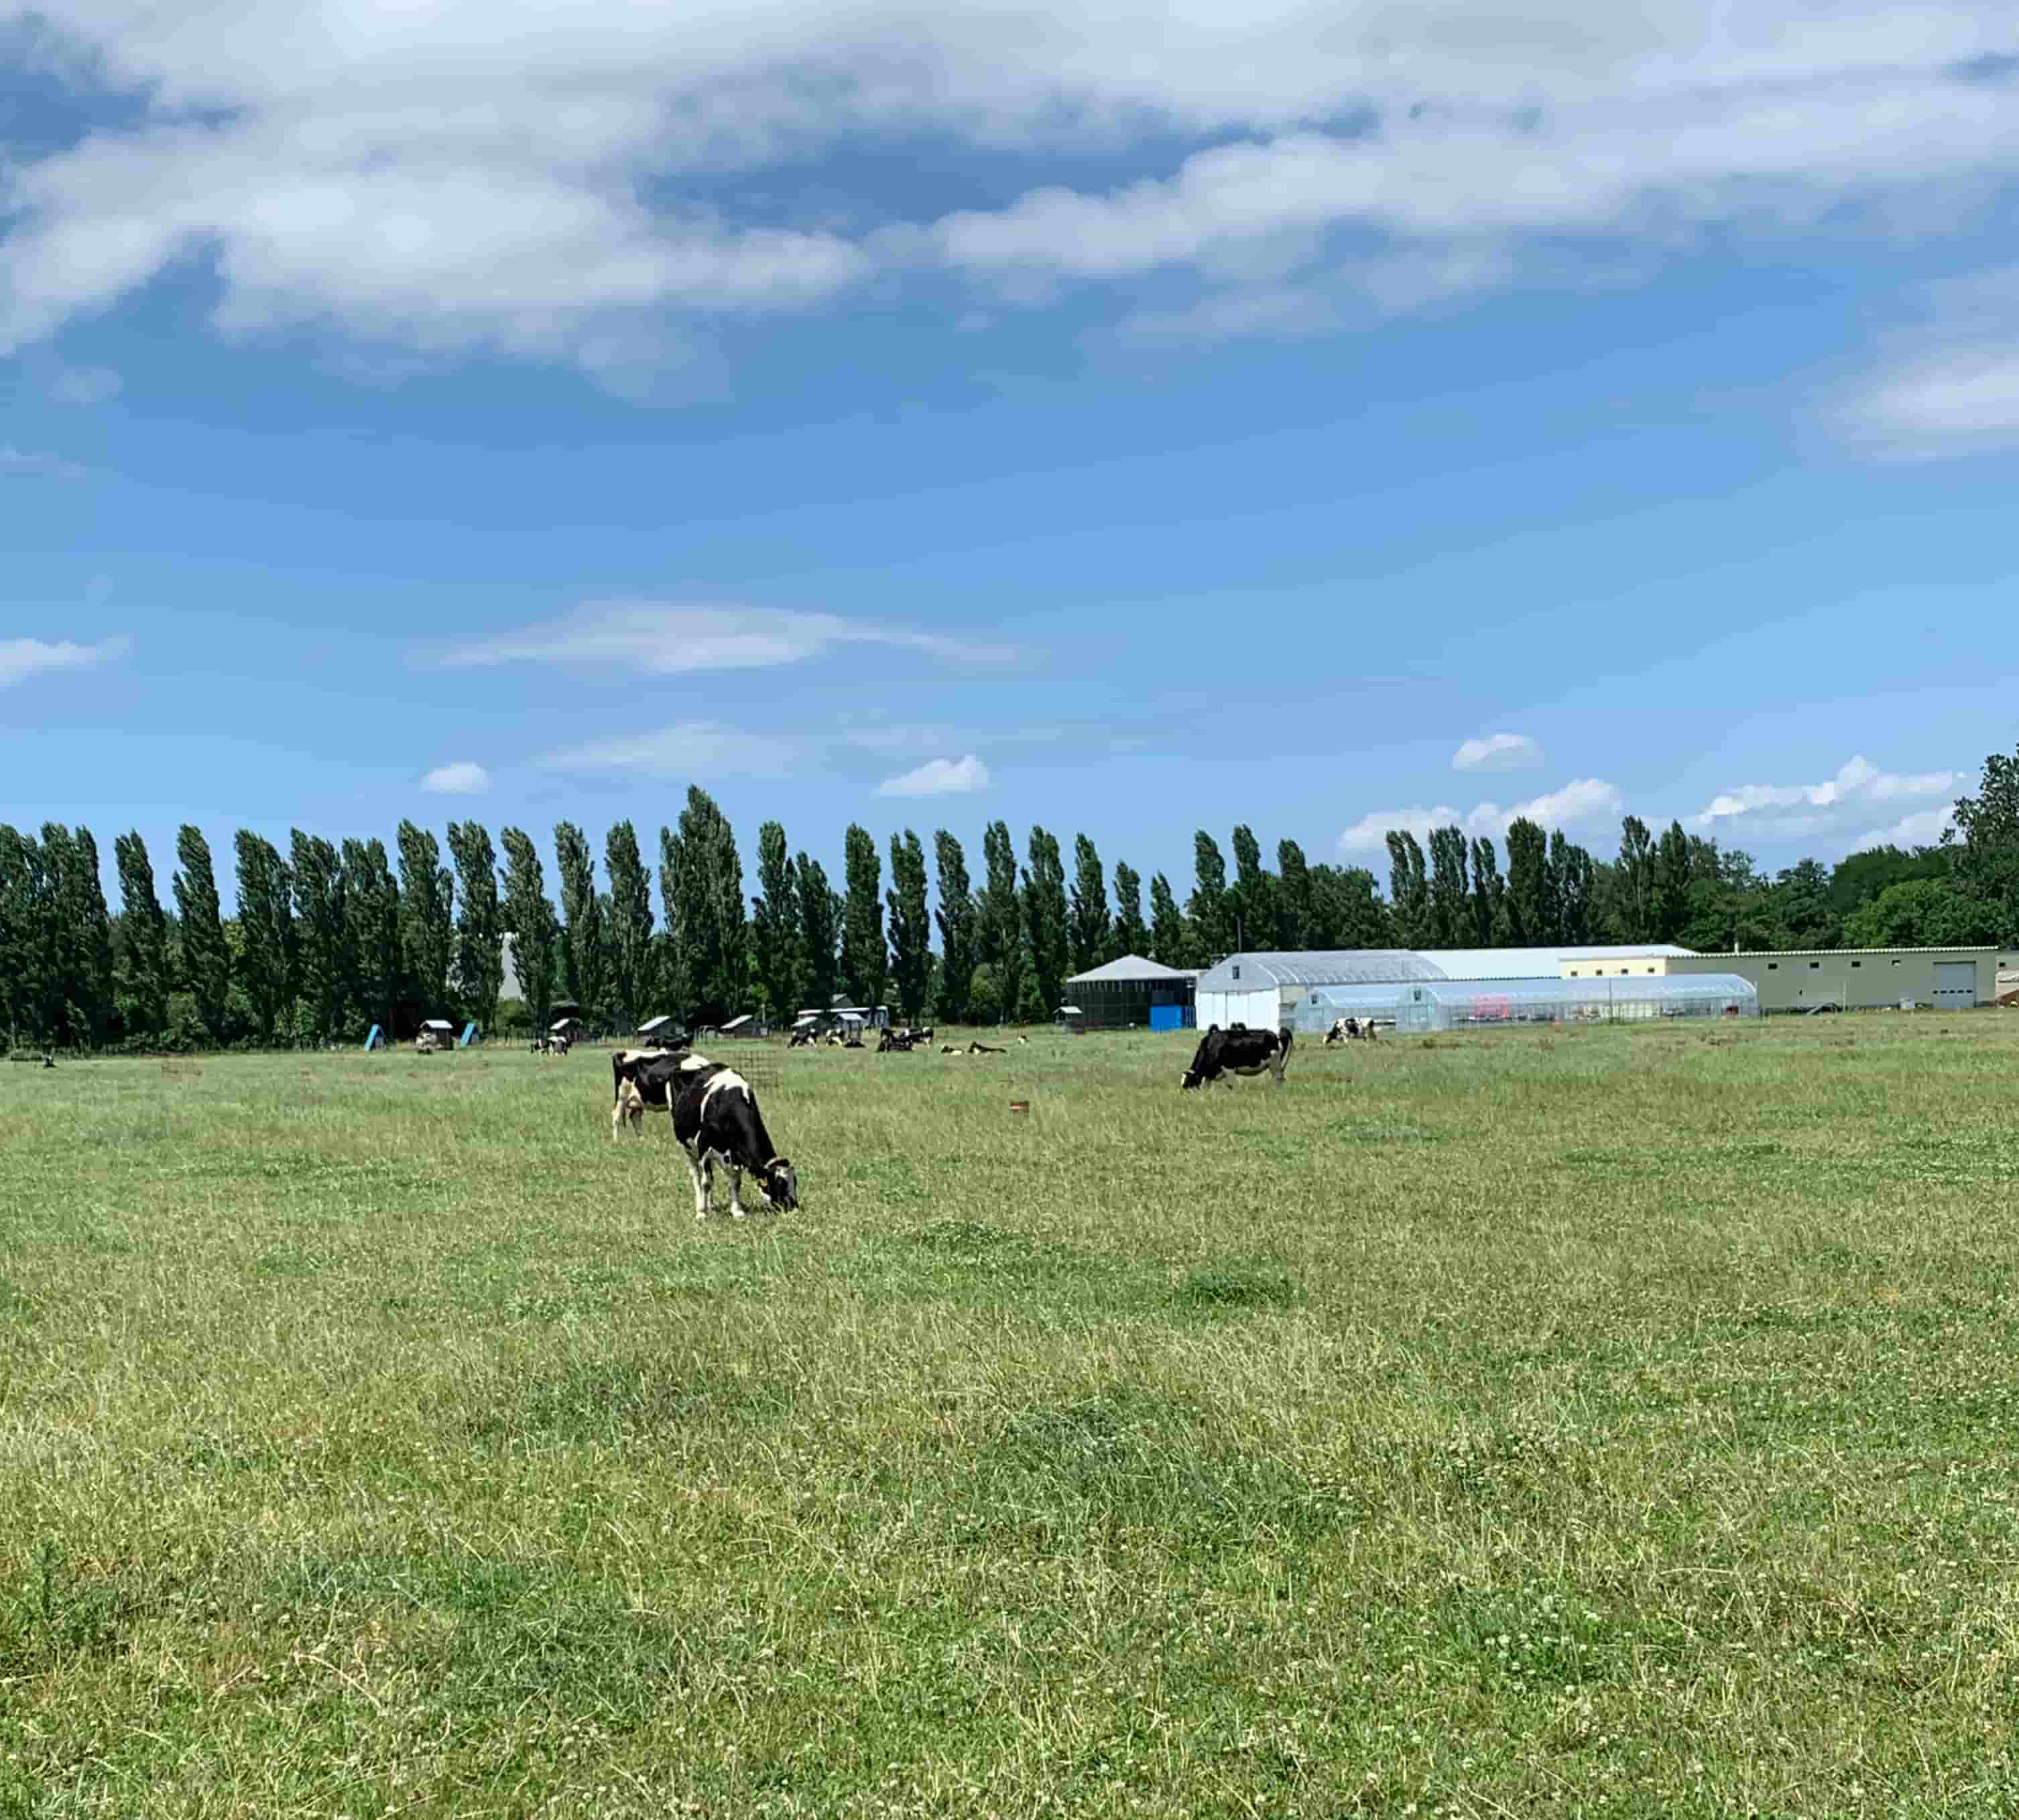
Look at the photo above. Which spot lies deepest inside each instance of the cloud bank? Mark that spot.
(463, 778)
(23, 657)
(1583, 803)
(1498, 752)
(938, 778)
(600, 184)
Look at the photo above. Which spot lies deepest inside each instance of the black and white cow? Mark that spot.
(1239, 1051)
(643, 1079)
(717, 1120)
(1344, 1030)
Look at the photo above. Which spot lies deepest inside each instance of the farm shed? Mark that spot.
(1855, 979)
(654, 1029)
(1472, 1004)
(1132, 992)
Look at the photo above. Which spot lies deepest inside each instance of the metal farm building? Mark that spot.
(1267, 991)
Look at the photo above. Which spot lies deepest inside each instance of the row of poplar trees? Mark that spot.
(331, 937)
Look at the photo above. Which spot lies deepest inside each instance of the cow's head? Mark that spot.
(779, 1183)
(1190, 1078)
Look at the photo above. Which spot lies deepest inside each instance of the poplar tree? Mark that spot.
(701, 885)
(775, 939)
(1293, 897)
(1045, 919)
(427, 918)
(1000, 922)
(629, 944)
(1252, 899)
(1130, 936)
(532, 923)
(865, 963)
(270, 949)
(1212, 926)
(1489, 896)
(145, 976)
(1408, 890)
(910, 925)
(206, 960)
(1529, 922)
(28, 922)
(820, 931)
(1170, 941)
(480, 936)
(1092, 926)
(584, 967)
(371, 914)
(1450, 912)
(323, 924)
(959, 935)
(1573, 891)
(87, 929)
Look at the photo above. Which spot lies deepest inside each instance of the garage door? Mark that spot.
(1955, 982)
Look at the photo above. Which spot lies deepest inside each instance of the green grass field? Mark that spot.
(1620, 1422)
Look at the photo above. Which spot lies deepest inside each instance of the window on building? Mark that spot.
(1857, 963)
(1773, 966)
(1237, 969)
(1814, 965)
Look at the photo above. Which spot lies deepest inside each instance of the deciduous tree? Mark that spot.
(427, 918)
(629, 947)
(1092, 926)
(959, 936)
(866, 962)
(774, 925)
(206, 961)
(479, 933)
(1131, 936)
(146, 979)
(269, 950)
(910, 925)
(1045, 921)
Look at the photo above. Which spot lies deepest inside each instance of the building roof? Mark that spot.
(1846, 953)
(653, 1023)
(438, 1024)
(1377, 965)
(1131, 966)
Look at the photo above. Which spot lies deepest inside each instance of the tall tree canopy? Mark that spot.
(959, 936)
(480, 934)
(1170, 940)
(206, 960)
(866, 962)
(583, 945)
(529, 918)
(146, 978)
(1131, 934)
(1000, 924)
(775, 940)
(269, 949)
(371, 903)
(322, 923)
(910, 925)
(1211, 915)
(1091, 926)
(820, 931)
(427, 919)
(1045, 922)
(629, 945)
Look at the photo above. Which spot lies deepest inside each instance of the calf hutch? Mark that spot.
(1132, 993)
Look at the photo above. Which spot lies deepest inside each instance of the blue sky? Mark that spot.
(1323, 416)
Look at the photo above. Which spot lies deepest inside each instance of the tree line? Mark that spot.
(331, 938)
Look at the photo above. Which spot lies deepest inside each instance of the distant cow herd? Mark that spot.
(716, 1119)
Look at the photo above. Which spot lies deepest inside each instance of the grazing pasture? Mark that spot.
(1509, 1424)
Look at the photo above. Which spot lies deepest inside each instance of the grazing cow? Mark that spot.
(1238, 1051)
(717, 1120)
(894, 1042)
(1346, 1030)
(803, 1038)
(643, 1078)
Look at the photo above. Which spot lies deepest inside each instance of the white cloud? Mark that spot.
(1922, 827)
(1857, 780)
(590, 183)
(939, 777)
(84, 386)
(1498, 752)
(690, 748)
(1580, 804)
(36, 463)
(23, 657)
(671, 638)
(1948, 386)
(463, 778)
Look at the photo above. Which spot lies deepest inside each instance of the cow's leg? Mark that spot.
(616, 1120)
(698, 1169)
(735, 1190)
